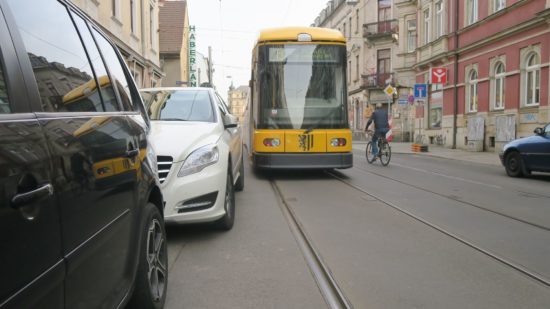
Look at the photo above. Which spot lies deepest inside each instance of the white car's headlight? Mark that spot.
(199, 159)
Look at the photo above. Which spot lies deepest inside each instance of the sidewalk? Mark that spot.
(490, 158)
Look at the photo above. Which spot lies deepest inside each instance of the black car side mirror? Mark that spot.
(539, 131)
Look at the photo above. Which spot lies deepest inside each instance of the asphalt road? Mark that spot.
(423, 232)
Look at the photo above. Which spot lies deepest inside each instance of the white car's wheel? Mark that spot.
(239, 185)
(226, 222)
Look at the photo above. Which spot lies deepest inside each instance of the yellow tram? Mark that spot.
(297, 116)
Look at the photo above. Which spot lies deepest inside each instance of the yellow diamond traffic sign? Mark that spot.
(389, 90)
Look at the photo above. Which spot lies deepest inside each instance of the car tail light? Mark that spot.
(338, 142)
(272, 142)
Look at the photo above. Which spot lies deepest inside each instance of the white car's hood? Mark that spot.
(177, 139)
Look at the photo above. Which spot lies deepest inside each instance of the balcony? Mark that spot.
(377, 80)
(380, 29)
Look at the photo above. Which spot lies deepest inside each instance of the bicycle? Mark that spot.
(440, 140)
(384, 150)
(419, 139)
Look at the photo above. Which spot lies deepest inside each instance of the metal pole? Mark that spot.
(455, 89)
(210, 66)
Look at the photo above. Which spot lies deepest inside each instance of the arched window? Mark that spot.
(498, 86)
(471, 95)
(532, 80)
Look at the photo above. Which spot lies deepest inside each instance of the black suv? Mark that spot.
(81, 213)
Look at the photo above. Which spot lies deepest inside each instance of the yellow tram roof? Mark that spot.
(85, 89)
(291, 34)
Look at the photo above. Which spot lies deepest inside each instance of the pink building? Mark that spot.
(498, 70)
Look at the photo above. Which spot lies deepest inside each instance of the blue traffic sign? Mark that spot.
(420, 90)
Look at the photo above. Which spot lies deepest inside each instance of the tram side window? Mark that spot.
(61, 67)
(105, 85)
(120, 80)
(4, 103)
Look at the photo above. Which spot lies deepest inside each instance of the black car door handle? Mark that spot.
(27, 197)
(132, 153)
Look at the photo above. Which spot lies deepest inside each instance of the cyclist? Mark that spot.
(381, 125)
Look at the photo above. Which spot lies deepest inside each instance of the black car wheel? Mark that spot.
(226, 222)
(514, 164)
(152, 276)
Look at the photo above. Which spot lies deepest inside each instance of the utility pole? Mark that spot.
(210, 66)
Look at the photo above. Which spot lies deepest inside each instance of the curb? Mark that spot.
(435, 155)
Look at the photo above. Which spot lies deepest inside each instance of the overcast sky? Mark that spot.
(232, 26)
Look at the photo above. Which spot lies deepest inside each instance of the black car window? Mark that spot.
(116, 70)
(105, 85)
(4, 102)
(61, 66)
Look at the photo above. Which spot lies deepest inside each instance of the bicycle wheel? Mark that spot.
(385, 153)
(369, 155)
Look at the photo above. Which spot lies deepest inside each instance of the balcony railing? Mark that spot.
(377, 80)
(380, 29)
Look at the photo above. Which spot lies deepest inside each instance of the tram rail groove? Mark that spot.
(542, 227)
(523, 270)
(331, 292)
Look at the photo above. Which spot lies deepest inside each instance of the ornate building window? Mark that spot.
(356, 67)
(532, 80)
(471, 12)
(471, 91)
(349, 72)
(500, 76)
(439, 20)
(498, 5)
(115, 8)
(133, 16)
(426, 29)
(411, 35)
(357, 21)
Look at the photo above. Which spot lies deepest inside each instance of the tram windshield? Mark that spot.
(302, 86)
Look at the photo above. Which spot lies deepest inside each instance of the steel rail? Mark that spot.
(542, 227)
(331, 292)
(517, 267)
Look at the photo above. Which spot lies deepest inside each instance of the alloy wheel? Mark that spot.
(156, 259)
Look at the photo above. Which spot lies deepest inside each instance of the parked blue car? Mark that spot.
(524, 155)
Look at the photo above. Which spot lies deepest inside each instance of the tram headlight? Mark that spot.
(338, 142)
(272, 142)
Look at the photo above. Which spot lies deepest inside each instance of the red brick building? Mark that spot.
(498, 70)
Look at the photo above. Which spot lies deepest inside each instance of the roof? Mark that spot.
(291, 34)
(172, 16)
(243, 89)
(176, 89)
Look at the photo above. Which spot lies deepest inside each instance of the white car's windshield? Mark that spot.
(175, 105)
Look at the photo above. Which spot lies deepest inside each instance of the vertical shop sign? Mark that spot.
(192, 58)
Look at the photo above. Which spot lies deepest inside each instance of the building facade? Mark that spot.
(203, 65)
(133, 26)
(497, 58)
(174, 42)
(238, 98)
(371, 29)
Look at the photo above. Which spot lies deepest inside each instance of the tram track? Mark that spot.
(518, 267)
(328, 287)
(542, 227)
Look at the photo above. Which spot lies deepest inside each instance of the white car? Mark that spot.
(199, 153)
